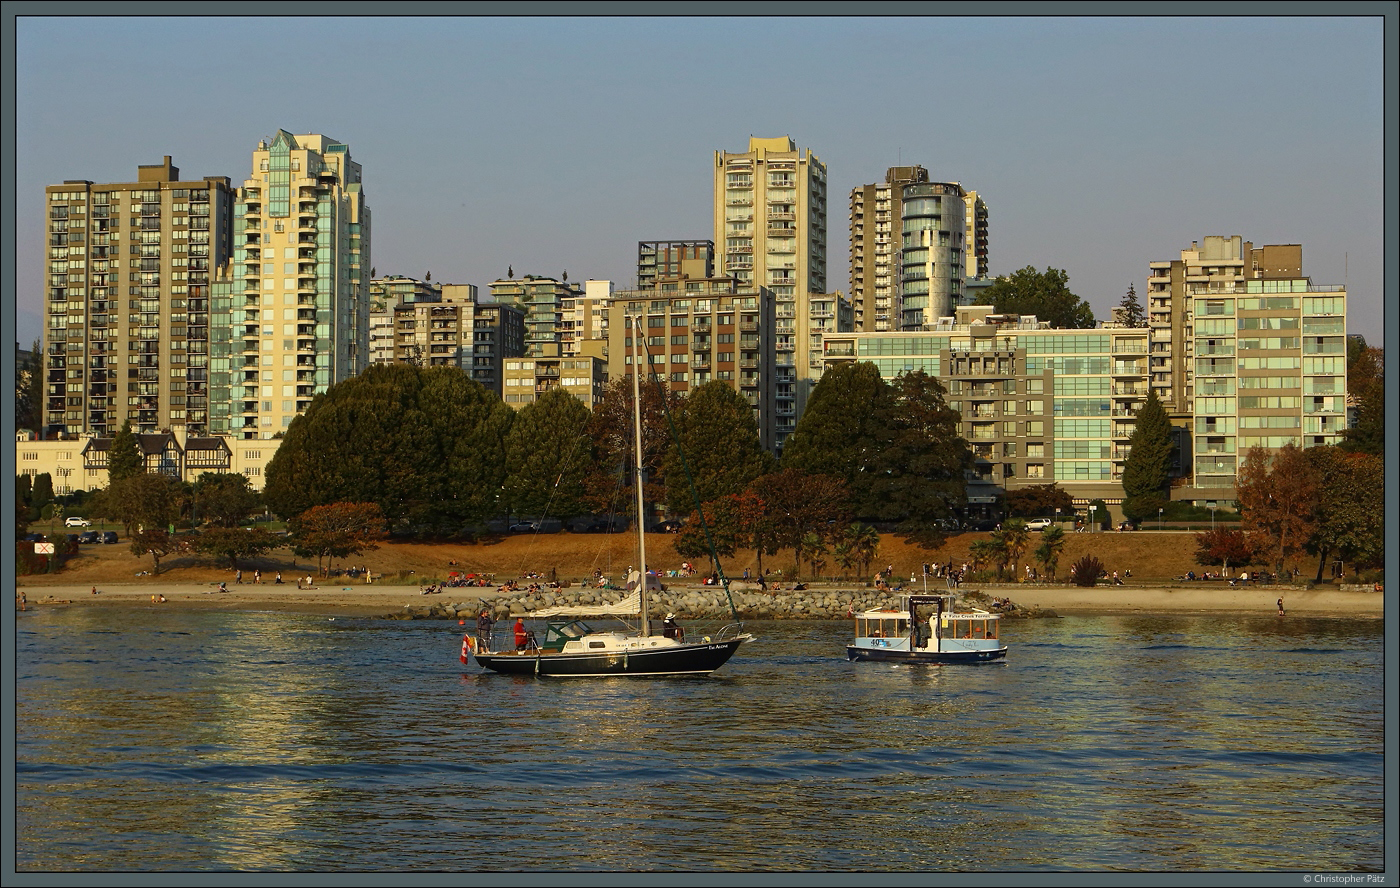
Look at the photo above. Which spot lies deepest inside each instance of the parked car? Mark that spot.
(34, 538)
(524, 527)
(1038, 523)
(89, 537)
(75, 521)
(109, 536)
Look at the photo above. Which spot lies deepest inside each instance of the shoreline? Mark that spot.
(378, 601)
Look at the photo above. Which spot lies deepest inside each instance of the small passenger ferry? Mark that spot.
(927, 629)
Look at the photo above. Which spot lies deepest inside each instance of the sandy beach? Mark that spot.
(353, 599)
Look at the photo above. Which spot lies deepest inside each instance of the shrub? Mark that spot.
(1086, 571)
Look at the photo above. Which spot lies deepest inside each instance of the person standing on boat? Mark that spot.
(522, 638)
(671, 629)
(483, 628)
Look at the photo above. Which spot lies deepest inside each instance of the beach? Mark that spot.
(360, 599)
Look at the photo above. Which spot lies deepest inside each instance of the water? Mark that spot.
(187, 740)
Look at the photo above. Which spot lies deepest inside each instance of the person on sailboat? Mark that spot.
(483, 628)
(671, 629)
(522, 638)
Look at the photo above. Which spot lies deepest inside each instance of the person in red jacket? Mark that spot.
(522, 638)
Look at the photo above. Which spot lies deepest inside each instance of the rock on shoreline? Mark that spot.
(707, 602)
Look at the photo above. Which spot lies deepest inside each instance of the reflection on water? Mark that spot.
(217, 741)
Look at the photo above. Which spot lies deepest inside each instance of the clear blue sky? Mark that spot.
(553, 144)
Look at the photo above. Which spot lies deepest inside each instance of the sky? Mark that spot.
(548, 144)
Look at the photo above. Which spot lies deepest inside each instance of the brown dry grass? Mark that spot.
(1150, 556)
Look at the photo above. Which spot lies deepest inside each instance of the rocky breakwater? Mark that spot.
(688, 602)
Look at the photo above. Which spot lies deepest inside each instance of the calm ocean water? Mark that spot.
(186, 740)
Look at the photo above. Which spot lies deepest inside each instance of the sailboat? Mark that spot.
(570, 647)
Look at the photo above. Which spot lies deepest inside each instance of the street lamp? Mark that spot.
(1091, 518)
(1159, 520)
(1057, 517)
(1211, 506)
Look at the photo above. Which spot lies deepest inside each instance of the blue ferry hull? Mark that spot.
(889, 655)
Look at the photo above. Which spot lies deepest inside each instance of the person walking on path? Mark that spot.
(238, 577)
(1280, 607)
(257, 577)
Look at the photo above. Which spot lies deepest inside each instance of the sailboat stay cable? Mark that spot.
(690, 479)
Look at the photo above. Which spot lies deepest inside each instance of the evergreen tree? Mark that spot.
(224, 499)
(42, 492)
(547, 457)
(839, 431)
(919, 469)
(425, 444)
(24, 488)
(1147, 469)
(1133, 315)
(719, 438)
(1043, 294)
(124, 457)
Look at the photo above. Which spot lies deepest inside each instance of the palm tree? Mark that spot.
(814, 547)
(846, 556)
(864, 541)
(1052, 543)
(1014, 539)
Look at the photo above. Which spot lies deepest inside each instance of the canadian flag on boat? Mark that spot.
(466, 646)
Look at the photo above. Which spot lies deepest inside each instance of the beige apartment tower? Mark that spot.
(126, 301)
(294, 310)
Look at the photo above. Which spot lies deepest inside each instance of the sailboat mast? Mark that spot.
(637, 351)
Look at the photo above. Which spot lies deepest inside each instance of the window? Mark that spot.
(1035, 428)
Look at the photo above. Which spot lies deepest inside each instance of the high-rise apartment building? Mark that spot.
(875, 219)
(914, 244)
(673, 259)
(127, 304)
(430, 325)
(770, 217)
(294, 310)
(1038, 405)
(932, 244)
(701, 330)
(385, 294)
(1214, 264)
(545, 301)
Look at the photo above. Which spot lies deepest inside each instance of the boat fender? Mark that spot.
(706, 639)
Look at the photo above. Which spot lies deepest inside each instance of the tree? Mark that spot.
(1052, 543)
(1277, 492)
(895, 446)
(124, 456)
(156, 542)
(1146, 472)
(1013, 537)
(1350, 507)
(144, 501)
(610, 429)
(42, 492)
(1098, 514)
(1225, 546)
(814, 549)
(1086, 571)
(1132, 313)
(337, 530)
(224, 499)
(864, 543)
(919, 467)
(1366, 383)
(29, 390)
(1043, 294)
(838, 433)
(797, 504)
(547, 457)
(1038, 501)
(718, 437)
(235, 543)
(426, 444)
